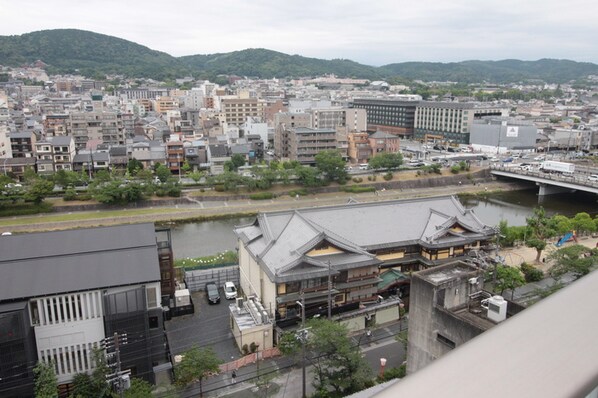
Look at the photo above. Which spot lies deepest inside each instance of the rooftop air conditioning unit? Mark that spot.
(497, 309)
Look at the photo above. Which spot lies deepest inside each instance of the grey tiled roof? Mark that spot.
(280, 240)
(46, 263)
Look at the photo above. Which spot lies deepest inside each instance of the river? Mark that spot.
(210, 237)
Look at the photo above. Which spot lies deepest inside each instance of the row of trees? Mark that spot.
(540, 227)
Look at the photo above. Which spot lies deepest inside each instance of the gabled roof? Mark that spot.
(280, 241)
(47, 263)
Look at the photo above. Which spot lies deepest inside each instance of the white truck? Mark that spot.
(551, 166)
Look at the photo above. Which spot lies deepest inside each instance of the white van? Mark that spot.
(363, 166)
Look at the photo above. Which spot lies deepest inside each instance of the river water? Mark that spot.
(211, 237)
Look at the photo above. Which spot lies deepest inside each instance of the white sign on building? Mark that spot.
(513, 131)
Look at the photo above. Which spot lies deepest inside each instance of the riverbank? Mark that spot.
(210, 210)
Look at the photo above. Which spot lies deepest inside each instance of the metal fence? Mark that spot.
(196, 279)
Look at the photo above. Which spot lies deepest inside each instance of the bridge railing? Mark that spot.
(579, 179)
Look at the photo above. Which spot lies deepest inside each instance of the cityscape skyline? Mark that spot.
(369, 33)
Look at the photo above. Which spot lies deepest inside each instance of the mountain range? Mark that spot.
(95, 55)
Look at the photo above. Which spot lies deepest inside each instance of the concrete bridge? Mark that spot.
(547, 182)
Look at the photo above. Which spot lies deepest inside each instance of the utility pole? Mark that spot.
(329, 293)
(302, 334)
(119, 379)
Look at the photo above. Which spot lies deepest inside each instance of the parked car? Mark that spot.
(212, 293)
(593, 178)
(230, 290)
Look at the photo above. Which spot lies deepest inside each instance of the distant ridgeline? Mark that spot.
(94, 55)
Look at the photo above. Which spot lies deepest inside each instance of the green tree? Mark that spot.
(118, 192)
(93, 385)
(38, 190)
(338, 364)
(197, 363)
(162, 172)
(46, 383)
(139, 389)
(332, 165)
(308, 176)
(576, 259)
(238, 160)
(561, 224)
(134, 166)
(196, 176)
(508, 278)
(386, 161)
(583, 223)
(186, 168)
(540, 230)
(29, 174)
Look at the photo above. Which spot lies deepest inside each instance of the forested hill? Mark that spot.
(94, 55)
(89, 53)
(505, 71)
(267, 64)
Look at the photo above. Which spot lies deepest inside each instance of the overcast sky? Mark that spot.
(373, 32)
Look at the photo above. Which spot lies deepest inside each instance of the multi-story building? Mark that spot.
(254, 126)
(143, 93)
(97, 127)
(237, 110)
(305, 143)
(5, 146)
(448, 308)
(450, 121)
(62, 292)
(22, 144)
(54, 154)
(383, 142)
(165, 104)
(55, 124)
(283, 122)
(351, 119)
(359, 148)
(175, 156)
(285, 253)
(391, 116)
(499, 135)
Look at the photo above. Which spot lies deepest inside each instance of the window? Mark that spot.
(153, 322)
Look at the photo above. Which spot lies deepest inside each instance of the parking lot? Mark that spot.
(209, 326)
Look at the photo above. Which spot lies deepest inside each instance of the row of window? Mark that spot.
(70, 359)
(65, 308)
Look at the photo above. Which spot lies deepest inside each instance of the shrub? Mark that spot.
(455, 169)
(24, 209)
(245, 349)
(357, 180)
(300, 192)
(70, 194)
(358, 189)
(219, 188)
(252, 347)
(261, 196)
(387, 176)
(531, 273)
